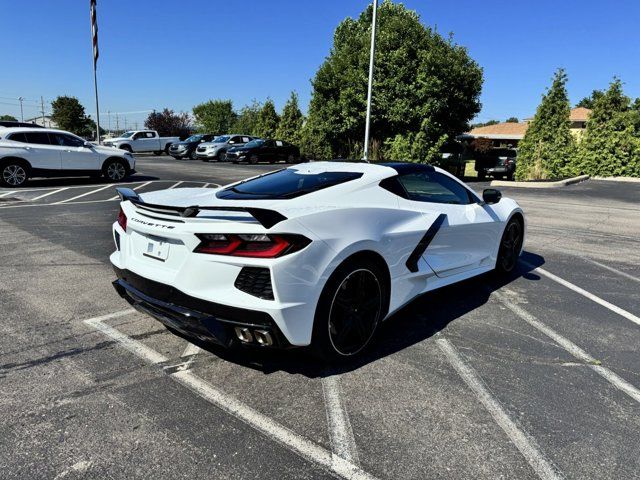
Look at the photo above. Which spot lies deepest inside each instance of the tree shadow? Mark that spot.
(420, 319)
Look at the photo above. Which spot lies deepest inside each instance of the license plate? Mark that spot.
(156, 249)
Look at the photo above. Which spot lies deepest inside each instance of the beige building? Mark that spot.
(43, 121)
(508, 134)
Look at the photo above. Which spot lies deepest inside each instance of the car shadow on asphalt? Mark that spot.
(419, 320)
(82, 181)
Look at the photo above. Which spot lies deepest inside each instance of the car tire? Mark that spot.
(510, 177)
(166, 148)
(126, 148)
(221, 155)
(14, 173)
(193, 155)
(253, 159)
(115, 170)
(157, 153)
(353, 302)
(510, 246)
(291, 159)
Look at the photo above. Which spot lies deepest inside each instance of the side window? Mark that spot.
(151, 135)
(65, 140)
(246, 139)
(279, 143)
(434, 187)
(39, 138)
(236, 140)
(270, 143)
(138, 136)
(18, 137)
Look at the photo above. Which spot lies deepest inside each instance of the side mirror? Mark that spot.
(491, 195)
(87, 145)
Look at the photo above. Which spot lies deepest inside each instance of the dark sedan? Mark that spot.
(259, 150)
(187, 148)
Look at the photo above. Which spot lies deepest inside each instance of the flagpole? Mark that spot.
(94, 51)
(370, 87)
(95, 85)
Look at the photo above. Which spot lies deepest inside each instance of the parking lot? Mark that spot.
(535, 377)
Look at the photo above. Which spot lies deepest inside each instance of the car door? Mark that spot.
(267, 152)
(464, 230)
(74, 155)
(38, 150)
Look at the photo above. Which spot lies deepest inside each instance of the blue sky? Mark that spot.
(159, 53)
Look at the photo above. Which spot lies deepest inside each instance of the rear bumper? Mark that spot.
(194, 317)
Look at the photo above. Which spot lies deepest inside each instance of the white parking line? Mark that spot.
(49, 193)
(343, 442)
(569, 346)
(521, 439)
(6, 194)
(611, 269)
(584, 293)
(83, 194)
(270, 428)
(175, 185)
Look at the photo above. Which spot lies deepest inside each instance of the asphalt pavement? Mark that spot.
(536, 376)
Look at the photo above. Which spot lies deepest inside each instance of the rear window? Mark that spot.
(287, 183)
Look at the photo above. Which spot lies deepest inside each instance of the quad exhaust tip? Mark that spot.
(261, 337)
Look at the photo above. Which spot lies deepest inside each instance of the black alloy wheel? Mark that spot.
(510, 246)
(355, 312)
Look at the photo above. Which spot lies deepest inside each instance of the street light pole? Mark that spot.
(370, 88)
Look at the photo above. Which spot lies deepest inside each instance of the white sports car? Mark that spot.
(316, 254)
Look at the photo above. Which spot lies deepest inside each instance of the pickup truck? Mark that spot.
(142, 141)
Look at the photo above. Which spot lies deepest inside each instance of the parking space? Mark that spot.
(535, 377)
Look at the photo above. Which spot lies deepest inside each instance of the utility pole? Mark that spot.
(21, 111)
(117, 124)
(42, 109)
(125, 124)
(109, 121)
(370, 88)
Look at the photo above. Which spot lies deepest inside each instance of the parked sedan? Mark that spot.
(498, 163)
(217, 148)
(187, 148)
(271, 151)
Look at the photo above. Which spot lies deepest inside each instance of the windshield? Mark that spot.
(221, 139)
(126, 134)
(254, 143)
(287, 183)
(194, 138)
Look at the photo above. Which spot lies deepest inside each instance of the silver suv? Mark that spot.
(217, 148)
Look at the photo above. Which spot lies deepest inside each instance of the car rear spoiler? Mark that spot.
(266, 218)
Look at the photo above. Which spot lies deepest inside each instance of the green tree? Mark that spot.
(215, 116)
(70, 115)
(590, 101)
(168, 123)
(485, 124)
(8, 118)
(512, 120)
(268, 120)
(424, 83)
(548, 145)
(290, 127)
(247, 120)
(611, 143)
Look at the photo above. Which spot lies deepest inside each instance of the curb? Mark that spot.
(618, 179)
(559, 183)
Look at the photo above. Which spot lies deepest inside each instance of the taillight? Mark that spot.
(122, 220)
(250, 245)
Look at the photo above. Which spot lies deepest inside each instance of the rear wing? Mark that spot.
(266, 218)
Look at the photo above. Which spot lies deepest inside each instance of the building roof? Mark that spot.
(579, 114)
(505, 130)
(516, 131)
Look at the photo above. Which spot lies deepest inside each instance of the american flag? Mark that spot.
(94, 32)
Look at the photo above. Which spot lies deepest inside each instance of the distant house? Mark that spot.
(505, 134)
(43, 121)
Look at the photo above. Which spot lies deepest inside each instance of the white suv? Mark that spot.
(42, 152)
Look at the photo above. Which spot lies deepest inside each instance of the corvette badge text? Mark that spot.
(151, 224)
